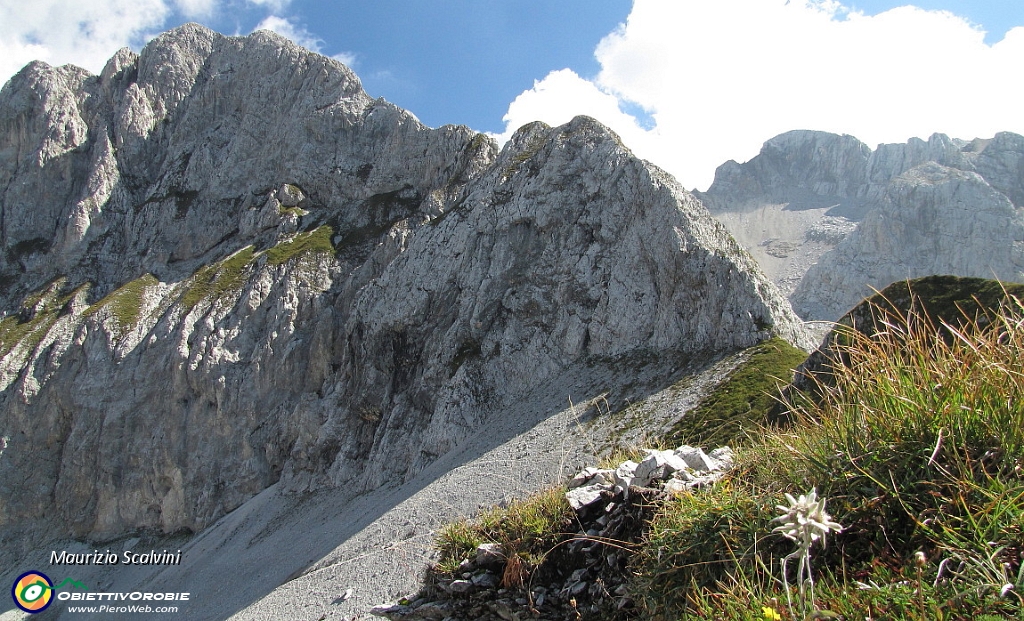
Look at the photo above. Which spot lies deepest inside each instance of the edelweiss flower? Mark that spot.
(805, 520)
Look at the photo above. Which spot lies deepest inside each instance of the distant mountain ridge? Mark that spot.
(831, 219)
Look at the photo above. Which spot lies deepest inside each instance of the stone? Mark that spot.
(460, 586)
(624, 475)
(677, 486)
(390, 611)
(290, 196)
(695, 458)
(489, 555)
(583, 497)
(591, 475)
(579, 588)
(651, 468)
(656, 466)
(485, 580)
(723, 457)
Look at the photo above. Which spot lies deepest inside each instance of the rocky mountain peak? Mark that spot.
(227, 267)
(829, 219)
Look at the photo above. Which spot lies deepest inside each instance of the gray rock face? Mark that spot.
(933, 220)
(829, 219)
(226, 266)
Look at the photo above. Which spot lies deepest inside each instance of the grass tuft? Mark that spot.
(125, 303)
(526, 529)
(918, 443)
(317, 241)
(218, 279)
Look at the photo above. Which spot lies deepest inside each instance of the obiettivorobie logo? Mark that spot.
(33, 592)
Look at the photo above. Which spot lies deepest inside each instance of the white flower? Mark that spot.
(805, 520)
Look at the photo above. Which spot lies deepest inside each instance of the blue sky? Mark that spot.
(686, 83)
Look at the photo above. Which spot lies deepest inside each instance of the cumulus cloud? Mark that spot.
(299, 34)
(88, 32)
(291, 30)
(563, 94)
(719, 77)
(85, 32)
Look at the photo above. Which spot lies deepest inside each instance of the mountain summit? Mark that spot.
(226, 267)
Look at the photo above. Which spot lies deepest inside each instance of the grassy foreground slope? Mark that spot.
(914, 433)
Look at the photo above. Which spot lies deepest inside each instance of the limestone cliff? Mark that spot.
(829, 218)
(225, 266)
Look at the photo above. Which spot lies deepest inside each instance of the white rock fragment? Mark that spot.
(290, 196)
(696, 459)
(591, 474)
(652, 468)
(584, 496)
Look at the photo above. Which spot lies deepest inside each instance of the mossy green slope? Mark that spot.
(743, 401)
(125, 303)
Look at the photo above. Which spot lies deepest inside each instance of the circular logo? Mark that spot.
(32, 591)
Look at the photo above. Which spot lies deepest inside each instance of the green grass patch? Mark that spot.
(219, 279)
(526, 530)
(30, 333)
(698, 540)
(125, 303)
(919, 447)
(744, 401)
(298, 212)
(44, 307)
(317, 241)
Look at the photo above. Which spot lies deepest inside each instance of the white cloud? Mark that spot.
(274, 6)
(559, 97)
(719, 77)
(84, 32)
(290, 30)
(88, 32)
(194, 9)
(348, 59)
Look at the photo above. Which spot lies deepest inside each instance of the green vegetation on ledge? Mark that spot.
(298, 212)
(44, 308)
(219, 279)
(125, 303)
(317, 241)
(743, 401)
